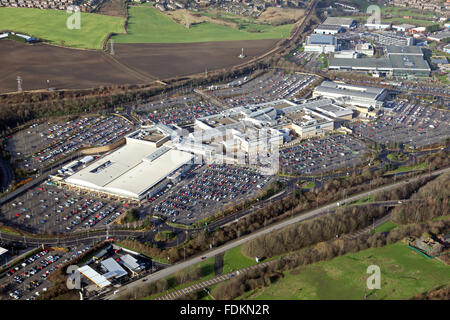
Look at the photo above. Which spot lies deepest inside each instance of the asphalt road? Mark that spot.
(213, 252)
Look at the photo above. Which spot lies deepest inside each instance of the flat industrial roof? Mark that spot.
(311, 104)
(404, 50)
(409, 62)
(331, 87)
(404, 26)
(338, 21)
(130, 262)
(94, 276)
(335, 110)
(114, 269)
(393, 62)
(321, 39)
(440, 35)
(362, 63)
(3, 251)
(131, 170)
(328, 27)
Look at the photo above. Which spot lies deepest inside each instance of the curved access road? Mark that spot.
(213, 252)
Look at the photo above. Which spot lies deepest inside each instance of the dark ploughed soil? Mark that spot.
(116, 8)
(181, 59)
(65, 68)
(136, 63)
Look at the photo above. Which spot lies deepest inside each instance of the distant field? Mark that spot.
(50, 25)
(416, 22)
(405, 12)
(404, 273)
(147, 25)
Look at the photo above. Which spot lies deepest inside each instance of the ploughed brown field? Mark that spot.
(164, 61)
(136, 63)
(65, 68)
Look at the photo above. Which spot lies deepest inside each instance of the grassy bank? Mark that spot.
(404, 273)
(50, 25)
(148, 25)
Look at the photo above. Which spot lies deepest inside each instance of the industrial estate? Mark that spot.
(203, 150)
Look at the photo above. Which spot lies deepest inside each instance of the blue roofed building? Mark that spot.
(322, 43)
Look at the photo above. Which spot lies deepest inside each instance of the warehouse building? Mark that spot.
(365, 49)
(313, 128)
(351, 94)
(328, 29)
(346, 23)
(388, 38)
(321, 43)
(378, 26)
(332, 111)
(131, 171)
(398, 61)
(438, 37)
(404, 27)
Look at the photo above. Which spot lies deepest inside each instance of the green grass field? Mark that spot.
(309, 185)
(50, 25)
(365, 200)
(416, 22)
(208, 271)
(234, 260)
(165, 235)
(385, 227)
(397, 157)
(404, 273)
(398, 11)
(406, 168)
(147, 25)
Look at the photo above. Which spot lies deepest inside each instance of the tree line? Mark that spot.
(292, 204)
(432, 202)
(304, 234)
(267, 274)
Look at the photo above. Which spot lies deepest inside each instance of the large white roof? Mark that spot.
(131, 170)
(94, 276)
(3, 250)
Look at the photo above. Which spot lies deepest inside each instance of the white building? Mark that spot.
(378, 26)
(346, 54)
(403, 27)
(349, 94)
(328, 29)
(342, 22)
(321, 43)
(130, 171)
(365, 49)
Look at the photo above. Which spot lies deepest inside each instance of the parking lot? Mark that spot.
(414, 125)
(302, 58)
(322, 154)
(268, 87)
(42, 144)
(48, 208)
(207, 190)
(176, 110)
(29, 279)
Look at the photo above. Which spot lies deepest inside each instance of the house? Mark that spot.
(428, 246)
